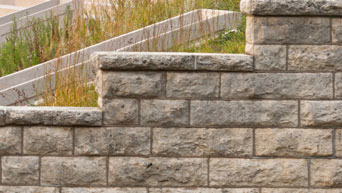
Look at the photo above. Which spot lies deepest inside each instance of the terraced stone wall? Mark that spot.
(266, 122)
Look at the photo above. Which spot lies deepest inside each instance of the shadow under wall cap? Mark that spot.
(292, 7)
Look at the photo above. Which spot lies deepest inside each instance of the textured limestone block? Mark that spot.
(291, 7)
(2, 117)
(73, 171)
(53, 116)
(338, 85)
(120, 111)
(326, 173)
(244, 113)
(20, 170)
(277, 85)
(193, 85)
(315, 57)
(48, 140)
(338, 142)
(200, 141)
(293, 142)
(288, 30)
(258, 172)
(104, 190)
(292, 190)
(204, 190)
(321, 113)
(224, 62)
(268, 57)
(173, 61)
(28, 189)
(112, 141)
(132, 84)
(134, 171)
(10, 140)
(164, 112)
(336, 30)
(144, 61)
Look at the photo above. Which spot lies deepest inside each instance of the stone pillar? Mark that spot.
(294, 35)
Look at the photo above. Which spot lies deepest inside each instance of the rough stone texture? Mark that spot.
(134, 171)
(2, 117)
(132, 84)
(144, 61)
(326, 173)
(164, 112)
(202, 142)
(224, 62)
(258, 172)
(53, 116)
(321, 113)
(293, 142)
(20, 170)
(112, 141)
(291, 190)
(89, 171)
(28, 189)
(338, 85)
(48, 140)
(288, 30)
(244, 113)
(268, 57)
(291, 7)
(204, 190)
(173, 61)
(338, 142)
(10, 140)
(336, 30)
(277, 85)
(104, 190)
(315, 57)
(193, 85)
(120, 111)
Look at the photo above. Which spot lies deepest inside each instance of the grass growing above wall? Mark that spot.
(55, 38)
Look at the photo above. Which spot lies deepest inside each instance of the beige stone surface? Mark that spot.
(132, 84)
(104, 190)
(338, 85)
(112, 141)
(120, 111)
(336, 30)
(338, 142)
(28, 189)
(315, 57)
(287, 30)
(193, 85)
(202, 142)
(268, 57)
(244, 113)
(20, 170)
(204, 190)
(137, 171)
(326, 173)
(10, 140)
(321, 113)
(258, 172)
(293, 190)
(90, 171)
(277, 85)
(293, 142)
(48, 140)
(164, 112)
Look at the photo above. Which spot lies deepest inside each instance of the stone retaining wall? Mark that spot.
(268, 122)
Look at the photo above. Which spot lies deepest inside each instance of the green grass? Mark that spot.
(55, 38)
